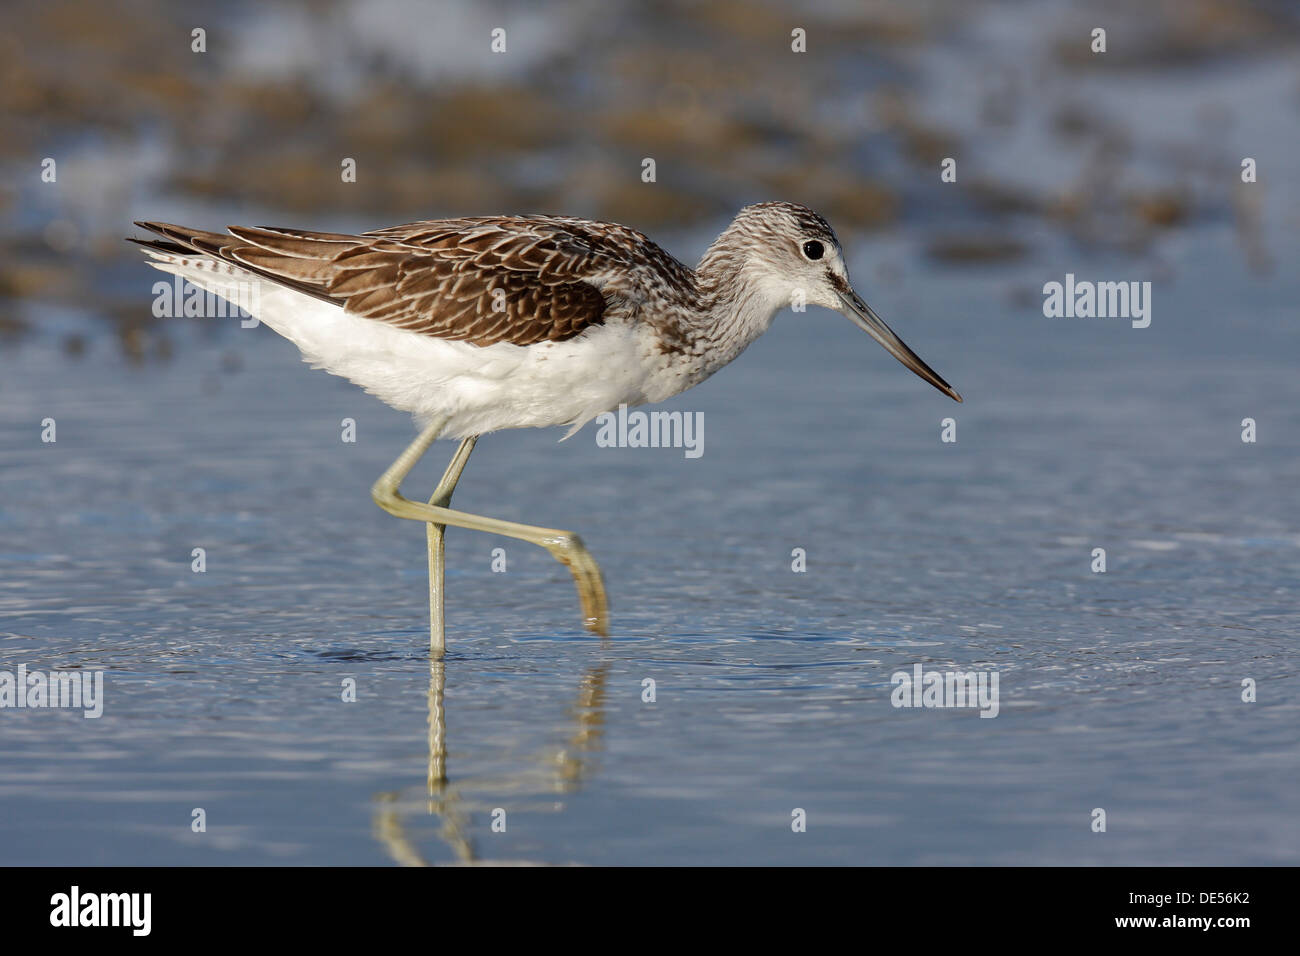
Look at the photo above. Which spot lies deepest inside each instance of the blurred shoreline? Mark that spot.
(1110, 153)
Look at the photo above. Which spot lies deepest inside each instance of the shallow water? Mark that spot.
(1118, 690)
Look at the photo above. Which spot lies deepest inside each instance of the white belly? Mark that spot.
(476, 389)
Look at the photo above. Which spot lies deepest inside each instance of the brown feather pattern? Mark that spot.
(517, 279)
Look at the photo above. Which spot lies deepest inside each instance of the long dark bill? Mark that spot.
(864, 318)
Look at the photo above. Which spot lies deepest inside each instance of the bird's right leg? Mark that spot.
(564, 546)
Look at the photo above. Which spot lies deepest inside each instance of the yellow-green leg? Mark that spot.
(564, 546)
(441, 497)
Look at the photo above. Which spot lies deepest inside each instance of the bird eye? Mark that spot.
(813, 249)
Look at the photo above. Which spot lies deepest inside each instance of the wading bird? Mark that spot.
(475, 325)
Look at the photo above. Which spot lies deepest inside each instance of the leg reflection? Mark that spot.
(561, 770)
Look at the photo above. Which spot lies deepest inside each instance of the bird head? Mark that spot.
(791, 255)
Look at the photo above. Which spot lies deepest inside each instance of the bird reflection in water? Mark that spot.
(557, 771)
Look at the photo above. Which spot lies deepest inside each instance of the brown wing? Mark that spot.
(509, 279)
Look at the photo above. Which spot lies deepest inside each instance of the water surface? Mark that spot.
(1118, 690)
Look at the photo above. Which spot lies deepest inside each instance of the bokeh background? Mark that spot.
(1114, 151)
(1119, 691)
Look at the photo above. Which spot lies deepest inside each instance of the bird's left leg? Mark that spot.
(441, 497)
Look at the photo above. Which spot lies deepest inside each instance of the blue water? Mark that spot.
(1119, 691)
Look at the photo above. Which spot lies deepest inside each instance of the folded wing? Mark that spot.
(509, 279)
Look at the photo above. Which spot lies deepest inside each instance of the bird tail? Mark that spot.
(194, 255)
